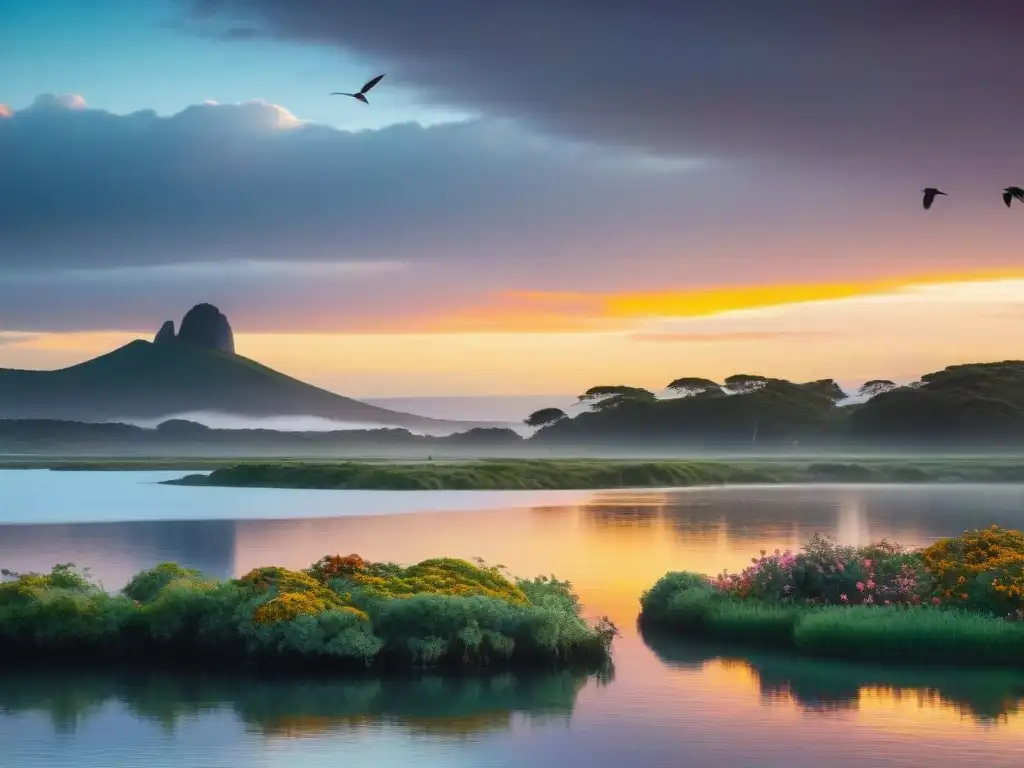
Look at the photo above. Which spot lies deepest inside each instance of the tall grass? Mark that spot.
(910, 634)
(685, 604)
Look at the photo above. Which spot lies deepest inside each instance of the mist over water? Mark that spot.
(499, 408)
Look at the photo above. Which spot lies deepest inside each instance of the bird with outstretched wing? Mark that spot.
(1013, 193)
(929, 196)
(361, 95)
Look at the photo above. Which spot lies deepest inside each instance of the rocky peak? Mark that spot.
(202, 326)
(165, 334)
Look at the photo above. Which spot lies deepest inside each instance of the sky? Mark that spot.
(540, 196)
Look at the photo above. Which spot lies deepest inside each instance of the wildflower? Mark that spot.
(935, 601)
(867, 563)
(860, 586)
(887, 602)
(869, 600)
(870, 584)
(843, 598)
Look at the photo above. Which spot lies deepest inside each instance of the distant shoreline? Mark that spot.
(595, 475)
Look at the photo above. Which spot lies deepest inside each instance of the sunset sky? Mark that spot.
(541, 195)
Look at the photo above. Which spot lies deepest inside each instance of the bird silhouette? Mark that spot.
(362, 91)
(1012, 192)
(929, 196)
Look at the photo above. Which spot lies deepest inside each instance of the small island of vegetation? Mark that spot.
(960, 601)
(596, 474)
(341, 613)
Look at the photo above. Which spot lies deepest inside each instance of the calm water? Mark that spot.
(667, 704)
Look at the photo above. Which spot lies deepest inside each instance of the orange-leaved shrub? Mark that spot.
(982, 570)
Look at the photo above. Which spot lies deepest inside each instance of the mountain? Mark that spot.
(145, 381)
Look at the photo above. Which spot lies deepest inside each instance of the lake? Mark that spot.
(666, 704)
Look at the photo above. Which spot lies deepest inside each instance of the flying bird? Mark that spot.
(362, 91)
(1012, 192)
(929, 196)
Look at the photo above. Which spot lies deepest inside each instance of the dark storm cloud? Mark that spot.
(929, 87)
(83, 187)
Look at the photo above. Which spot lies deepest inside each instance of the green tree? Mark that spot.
(876, 387)
(745, 382)
(692, 385)
(607, 396)
(545, 417)
(827, 387)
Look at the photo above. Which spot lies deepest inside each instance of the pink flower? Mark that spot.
(869, 600)
(870, 584)
(867, 563)
(841, 567)
(887, 602)
(843, 598)
(860, 586)
(935, 601)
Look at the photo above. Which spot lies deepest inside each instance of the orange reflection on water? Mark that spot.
(612, 546)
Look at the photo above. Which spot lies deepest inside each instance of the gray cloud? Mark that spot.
(928, 88)
(117, 222)
(85, 188)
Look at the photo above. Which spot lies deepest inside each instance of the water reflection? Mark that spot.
(818, 685)
(612, 545)
(666, 706)
(448, 708)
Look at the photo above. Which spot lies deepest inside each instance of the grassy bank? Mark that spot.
(341, 613)
(958, 601)
(594, 474)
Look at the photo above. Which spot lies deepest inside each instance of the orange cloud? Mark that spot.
(717, 300)
(569, 312)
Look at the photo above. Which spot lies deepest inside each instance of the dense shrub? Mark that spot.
(983, 570)
(947, 602)
(826, 573)
(439, 612)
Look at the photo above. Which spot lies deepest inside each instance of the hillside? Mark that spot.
(143, 380)
(979, 405)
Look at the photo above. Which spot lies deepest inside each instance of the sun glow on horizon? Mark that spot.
(531, 343)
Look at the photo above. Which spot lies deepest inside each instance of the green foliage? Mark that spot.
(343, 611)
(146, 585)
(827, 388)
(878, 601)
(770, 623)
(976, 405)
(655, 601)
(593, 474)
(544, 417)
(919, 634)
(745, 382)
(692, 385)
(876, 387)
